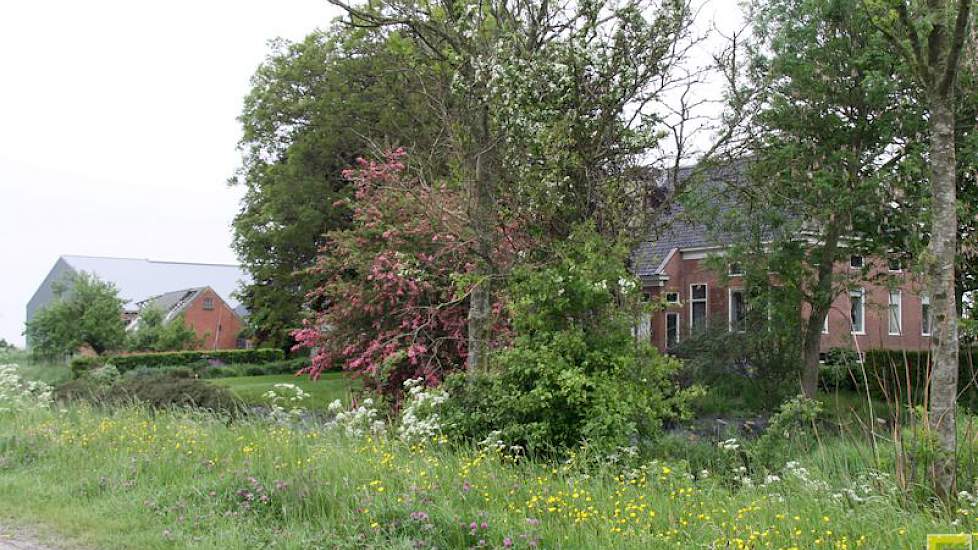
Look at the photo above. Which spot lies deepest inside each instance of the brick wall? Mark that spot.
(693, 270)
(217, 324)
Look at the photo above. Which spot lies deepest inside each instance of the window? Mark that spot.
(208, 304)
(825, 323)
(697, 307)
(736, 270)
(672, 298)
(672, 329)
(896, 312)
(925, 316)
(857, 311)
(895, 265)
(646, 297)
(738, 310)
(856, 262)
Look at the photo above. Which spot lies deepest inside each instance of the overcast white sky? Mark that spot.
(118, 130)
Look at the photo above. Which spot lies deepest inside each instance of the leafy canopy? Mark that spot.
(86, 311)
(154, 333)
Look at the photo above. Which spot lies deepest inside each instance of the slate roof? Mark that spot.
(675, 228)
(139, 279)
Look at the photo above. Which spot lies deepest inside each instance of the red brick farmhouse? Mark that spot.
(672, 265)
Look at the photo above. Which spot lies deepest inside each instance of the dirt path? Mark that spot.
(22, 539)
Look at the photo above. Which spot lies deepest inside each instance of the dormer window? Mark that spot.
(856, 261)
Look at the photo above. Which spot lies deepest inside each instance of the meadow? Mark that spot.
(132, 477)
(323, 391)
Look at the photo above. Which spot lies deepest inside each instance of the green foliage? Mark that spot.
(86, 311)
(574, 373)
(792, 431)
(156, 390)
(314, 108)
(154, 333)
(840, 369)
(181, 358)
(901, 376)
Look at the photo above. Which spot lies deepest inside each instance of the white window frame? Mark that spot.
(889, 265)
(738, 273)
(862, 261)
(861, 294)
(665, 333)
(898, 294)
(208, 304)
(671, 302)
(928, 319)
(705, 300)
(730, 309)
(825, 322)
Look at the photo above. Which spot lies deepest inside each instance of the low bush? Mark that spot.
(574, 372)
(160, 389)
(180, 359)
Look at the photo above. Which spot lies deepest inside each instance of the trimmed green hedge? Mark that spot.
(179, 359)
(895, 374)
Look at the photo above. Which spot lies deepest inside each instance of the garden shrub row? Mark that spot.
(179, 359)
(893, 374)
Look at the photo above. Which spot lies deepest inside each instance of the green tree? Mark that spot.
(154, 333)
(86, 311)
(315, 106)
(828, 112)
(542, 105)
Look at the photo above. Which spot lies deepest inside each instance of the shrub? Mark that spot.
(897, 375)
(392, 304)
(81, 365)
(105, 374)
(790, 432)
(16, 393)
(575, 372)
(255, 370)
(159, 389)
(197, 358)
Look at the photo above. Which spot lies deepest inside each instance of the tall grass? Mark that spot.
(132, 478)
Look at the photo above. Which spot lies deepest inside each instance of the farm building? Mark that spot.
(140, 281)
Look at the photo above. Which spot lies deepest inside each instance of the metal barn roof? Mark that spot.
(139, 279)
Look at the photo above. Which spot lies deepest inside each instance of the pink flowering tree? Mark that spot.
(393, 300)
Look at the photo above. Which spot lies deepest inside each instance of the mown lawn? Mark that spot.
(328, 388)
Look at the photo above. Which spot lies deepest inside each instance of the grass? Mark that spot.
(329, 387)
(183, 479)
(135, 478)
(52, 373)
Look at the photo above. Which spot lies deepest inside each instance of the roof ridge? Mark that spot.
(148, 260)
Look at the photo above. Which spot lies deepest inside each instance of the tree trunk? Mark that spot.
(940, 279)
(482, 205)
(820, 305)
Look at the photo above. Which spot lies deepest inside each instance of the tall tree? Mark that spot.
(931, 36)
(541, 110)
(315, 106)
(828, 113)
(86, 311)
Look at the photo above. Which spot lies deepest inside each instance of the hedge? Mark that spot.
(179, 358)
(892, 372)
